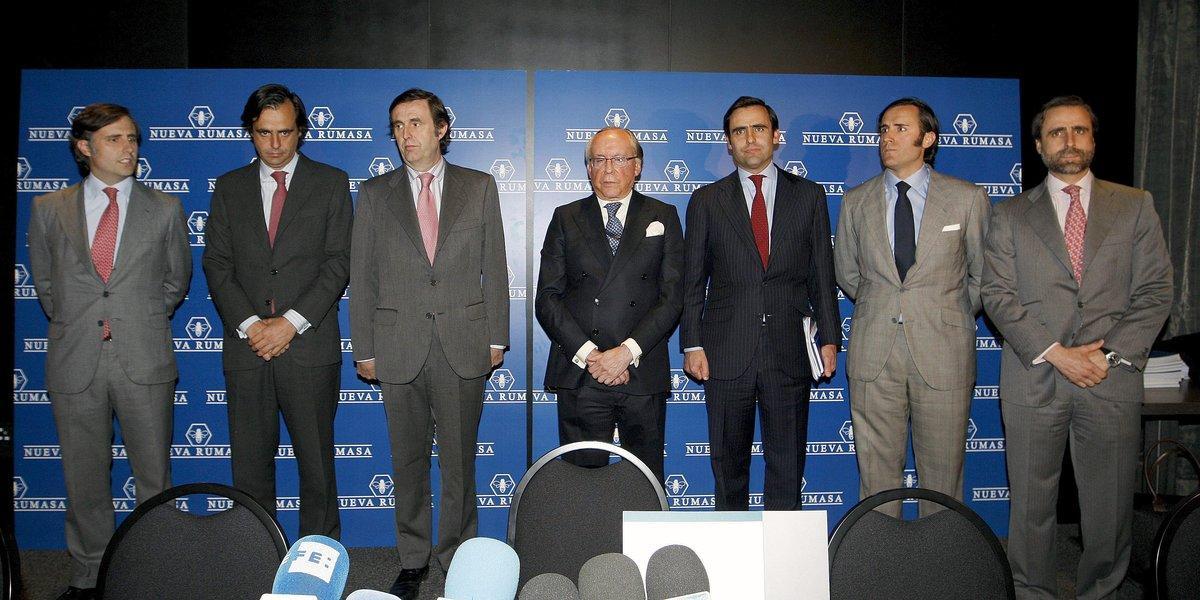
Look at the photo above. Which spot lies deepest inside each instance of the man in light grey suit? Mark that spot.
(909, 252)
(110, 262)
(429, 320)
(1078, 280)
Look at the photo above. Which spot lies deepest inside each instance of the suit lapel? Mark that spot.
(733, 201)
(400, 202)
(453, 200)
(248, 202)
(298, 194)
(634, 231)
(1102, 212)
(588, 220)
(931, 222)
(74, 222)
(1044, 222)
(875, 215)
(137, 221)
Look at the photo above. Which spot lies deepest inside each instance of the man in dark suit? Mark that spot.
(110, 262)
(609, 296)
(277, 258)
(429, 320)
(758, 260)
(1078, 281)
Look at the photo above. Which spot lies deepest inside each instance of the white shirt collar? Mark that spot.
(92, 186)
(264, 171)
(767, 173)
(1056, 185)
(437, 170)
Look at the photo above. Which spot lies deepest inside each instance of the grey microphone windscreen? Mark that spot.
(549, 586)
(674, 571)
(611, 576)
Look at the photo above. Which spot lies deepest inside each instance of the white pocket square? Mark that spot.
(655, 228)
(954, 227)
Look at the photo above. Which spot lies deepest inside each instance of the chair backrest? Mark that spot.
(1176, 548)
(563, 514)
(6, 567)
(162, 552)
(948, 554)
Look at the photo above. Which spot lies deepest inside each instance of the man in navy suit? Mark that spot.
(609, 296)
(758, 260)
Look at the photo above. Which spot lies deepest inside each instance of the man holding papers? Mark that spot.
(909, 252)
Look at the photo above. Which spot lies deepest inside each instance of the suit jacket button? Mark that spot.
(643, 275)
(584, 275)
(595, 332)
(894, 320)
(596, 301)
(433, 282)
(428, 315)
(105, 294)
(100, 323)
(633, 302)
(1079, 304)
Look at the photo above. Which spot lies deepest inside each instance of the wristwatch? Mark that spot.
(1111, 357)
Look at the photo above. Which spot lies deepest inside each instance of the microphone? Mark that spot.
(549, 586)
(675, 572)
(611, 576)
(371, 595)
(483, 569)
(315, 566)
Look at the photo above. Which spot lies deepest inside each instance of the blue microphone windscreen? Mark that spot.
(483, 569)
(315, 565)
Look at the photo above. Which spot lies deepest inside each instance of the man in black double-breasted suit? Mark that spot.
(609, 295)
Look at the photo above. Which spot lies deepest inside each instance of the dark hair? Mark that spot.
(91, 119)
(926, 117)
(441, 116)
(273, 95)
(745, 101)
(1056, 102)
(637, 146)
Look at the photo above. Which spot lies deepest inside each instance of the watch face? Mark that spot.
(1113, 359)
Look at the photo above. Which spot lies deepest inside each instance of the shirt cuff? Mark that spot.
(497, 347)
(365, 360)
(1041, 358)
(245, 326)
(580, 358)
(692, 349)
(634, 349)
(299, 322)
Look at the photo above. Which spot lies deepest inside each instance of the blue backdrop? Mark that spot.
(191, 135)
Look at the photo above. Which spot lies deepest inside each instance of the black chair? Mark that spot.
(6, 568)
(563, 514)
(1176, 548)
(161, 552)
(948, 554)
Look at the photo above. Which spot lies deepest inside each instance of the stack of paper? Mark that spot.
(1165, 371)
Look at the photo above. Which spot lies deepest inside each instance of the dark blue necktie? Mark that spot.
(906, 236)
(613, 229)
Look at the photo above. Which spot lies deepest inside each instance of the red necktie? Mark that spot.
(277, 200)
(1073, 231)
(104, 245)
(427, 215)
(758, 221)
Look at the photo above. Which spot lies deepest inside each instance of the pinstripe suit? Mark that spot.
(1123, 298)
(748, 320)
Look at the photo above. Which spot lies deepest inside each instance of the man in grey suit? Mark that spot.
(110, 262)
(1077, 279)
(429, 321)
(277, 258)
(909, 252)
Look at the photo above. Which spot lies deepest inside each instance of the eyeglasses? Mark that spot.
(597, 162)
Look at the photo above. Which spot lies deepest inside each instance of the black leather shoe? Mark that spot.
(74, 593)
(408, 583)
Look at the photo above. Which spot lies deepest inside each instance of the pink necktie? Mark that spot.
(277, 200)
(1073, 231)
(758, 221)
(427, 215)
(104, 245)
